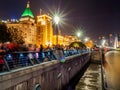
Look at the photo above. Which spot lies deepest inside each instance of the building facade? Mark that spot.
(37, 31)
(33, 31)
(44, 30)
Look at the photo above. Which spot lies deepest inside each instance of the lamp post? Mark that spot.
(79, 35)
(56, 20)
(86, 39)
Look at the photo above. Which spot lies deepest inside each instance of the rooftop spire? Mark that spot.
(27, 12)
(28, 4)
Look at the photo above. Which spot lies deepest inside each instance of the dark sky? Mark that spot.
(94, 17)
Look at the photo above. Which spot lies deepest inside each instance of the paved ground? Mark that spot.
(91, 80)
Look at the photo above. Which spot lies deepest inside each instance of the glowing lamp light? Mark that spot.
(37, 55)
(48, 43)
(56, 19)
(21, 55)
(78, 34)
(103, 42)
(86, 39)
(9, 57)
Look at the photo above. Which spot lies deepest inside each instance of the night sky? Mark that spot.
(93, 17)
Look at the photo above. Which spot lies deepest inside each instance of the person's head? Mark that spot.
(1, 44)
(41, 46)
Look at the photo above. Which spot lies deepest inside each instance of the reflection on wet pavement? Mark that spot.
(112, 70)
(91, 80)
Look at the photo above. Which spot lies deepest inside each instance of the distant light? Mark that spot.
(56, 19)
(17, 20)
(49, 43)
(4, 21)
(7, 42)
(86, 39)
(13, 20)
(79, 34)
(43, 22)
(21, 55)
(103, 42)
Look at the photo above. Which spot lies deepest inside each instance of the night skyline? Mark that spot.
(95, 17)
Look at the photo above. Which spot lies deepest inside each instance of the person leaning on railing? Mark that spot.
(2, 52)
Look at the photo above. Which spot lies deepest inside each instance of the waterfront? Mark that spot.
(112, 70)
(91, 80)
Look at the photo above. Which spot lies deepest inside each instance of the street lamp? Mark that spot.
(103, 42)
(86, 39)
(78, 34)
(56, 20)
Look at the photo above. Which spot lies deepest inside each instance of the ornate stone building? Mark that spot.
(44, 30)
(38, 31)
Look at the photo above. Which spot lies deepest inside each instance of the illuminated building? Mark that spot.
(26, 25)
(111, 40)
(44, 30)
(118, 39)
(69, 39)
(37, 33)
(60, 40)
(89, 44)
(65, 40)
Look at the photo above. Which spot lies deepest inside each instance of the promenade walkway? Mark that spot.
(91, 80)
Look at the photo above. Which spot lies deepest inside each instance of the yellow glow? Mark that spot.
(49, 43)
(44, 16)
(43, 23)
(45, 30)
(89, 43)
(86, 39)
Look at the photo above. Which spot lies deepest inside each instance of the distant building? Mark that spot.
(39, 32)
(119, 39)
(44, 30)
(111, 40)
(26, 25)
(66, 40)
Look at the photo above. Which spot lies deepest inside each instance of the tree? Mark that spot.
(16, 35)
(4, 34)
(77, 44)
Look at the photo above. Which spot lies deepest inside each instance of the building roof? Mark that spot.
(27, 12)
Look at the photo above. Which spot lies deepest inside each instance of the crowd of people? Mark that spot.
(13, 48)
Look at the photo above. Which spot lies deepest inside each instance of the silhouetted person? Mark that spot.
(41, 53)
(2, 52)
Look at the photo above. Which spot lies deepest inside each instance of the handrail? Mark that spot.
(14, 60)
(104, 86)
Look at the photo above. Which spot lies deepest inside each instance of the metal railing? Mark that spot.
(16, 60)
(104, 84)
